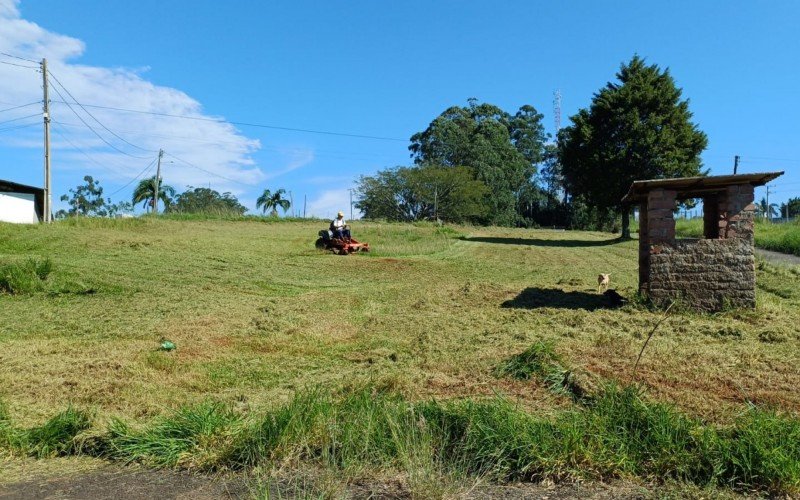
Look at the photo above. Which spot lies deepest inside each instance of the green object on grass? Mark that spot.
(167, 345)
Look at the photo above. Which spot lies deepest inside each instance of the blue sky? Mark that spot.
(369, 68)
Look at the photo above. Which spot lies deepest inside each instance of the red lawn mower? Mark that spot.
(339, 246)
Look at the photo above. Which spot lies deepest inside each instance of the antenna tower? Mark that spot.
(557, 109)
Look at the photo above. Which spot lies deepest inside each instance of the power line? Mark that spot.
(93, 117)
(20, 106)
(20, 58)
(19, 118)
(95, 131)
(770, 159)
(148, 167)
(206, 171)
(19, 65)
(247, 124)
(19, 127)
(79, 149)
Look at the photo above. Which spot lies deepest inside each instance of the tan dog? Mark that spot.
(603, 281)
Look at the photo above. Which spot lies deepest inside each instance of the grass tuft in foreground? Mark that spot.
(28, 276)
(56, 437)
(618, 434)
(541, 362)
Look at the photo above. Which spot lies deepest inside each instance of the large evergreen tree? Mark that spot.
(636, 128)
(501, 149)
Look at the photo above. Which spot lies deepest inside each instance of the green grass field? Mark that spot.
(778, 237)
(260, 317)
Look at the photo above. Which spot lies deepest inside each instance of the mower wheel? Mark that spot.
(320, 244)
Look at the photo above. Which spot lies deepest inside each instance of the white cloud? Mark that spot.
(331, 201)
(212, 146)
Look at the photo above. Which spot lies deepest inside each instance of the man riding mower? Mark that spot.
(338, 240)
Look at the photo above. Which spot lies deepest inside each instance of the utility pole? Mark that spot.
(156, 182)
(436, 203)
(291, 202)
(351, 203)
(735, 164)
(48, 197)
(766, 211)
(305, 199)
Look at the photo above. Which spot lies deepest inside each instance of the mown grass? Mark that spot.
(778, 237)
(257, 314)
(619, 435)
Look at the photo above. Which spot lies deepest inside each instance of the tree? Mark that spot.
(790, 208)
(144, 193)
(768, 211)
(86, 200)
(502, 151)
(423, 192)
(271, 201)
(206, 201)
(636, 128)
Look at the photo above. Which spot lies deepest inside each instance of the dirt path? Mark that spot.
(115, 483)
(124, 483)
(778, 258)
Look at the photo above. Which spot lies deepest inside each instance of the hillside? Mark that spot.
(258, 314)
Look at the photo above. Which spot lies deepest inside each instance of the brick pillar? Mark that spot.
(660, 223)
(644, 250)
(736, 212)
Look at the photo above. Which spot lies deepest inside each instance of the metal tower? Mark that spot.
(557, 109)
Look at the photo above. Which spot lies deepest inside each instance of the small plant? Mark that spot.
(540, 361)
(25, 277)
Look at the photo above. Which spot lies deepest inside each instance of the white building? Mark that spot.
(20, 203)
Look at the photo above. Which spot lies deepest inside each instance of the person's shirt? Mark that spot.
(338, 223)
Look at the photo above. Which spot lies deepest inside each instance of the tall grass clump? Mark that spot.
(56, 437)
(541, 362)
(617, 434)
(192, 437)
(28, 276)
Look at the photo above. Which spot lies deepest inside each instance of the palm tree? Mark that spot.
(144, 193)
(271, 201)
(768, 211)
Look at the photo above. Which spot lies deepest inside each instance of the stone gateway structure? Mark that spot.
(706, 274)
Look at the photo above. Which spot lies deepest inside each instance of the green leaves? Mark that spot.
(272, 201)
(502, 150)
(636, 128)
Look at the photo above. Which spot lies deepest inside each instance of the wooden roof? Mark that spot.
(696, 187)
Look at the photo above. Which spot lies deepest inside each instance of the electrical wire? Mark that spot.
(344, 155)
(19, 127)
(19, 65)
(19, 118)
(95, 118)
(95, 131)
(247, 124)
(79, 149)
(18, 57)
(20, 106)
(148, 167)
(204, 170)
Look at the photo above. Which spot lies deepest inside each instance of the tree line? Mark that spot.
(482, 165)
(87, 200)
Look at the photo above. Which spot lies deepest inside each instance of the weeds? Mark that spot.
(56, 437)
(24, 277)
(541, 362)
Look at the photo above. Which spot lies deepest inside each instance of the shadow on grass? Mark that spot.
(534, 298)
(536, 242)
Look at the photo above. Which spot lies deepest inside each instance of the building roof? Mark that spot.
(696, 187)
(13, 187)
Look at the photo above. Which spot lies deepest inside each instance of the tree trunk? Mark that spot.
(626, 223)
